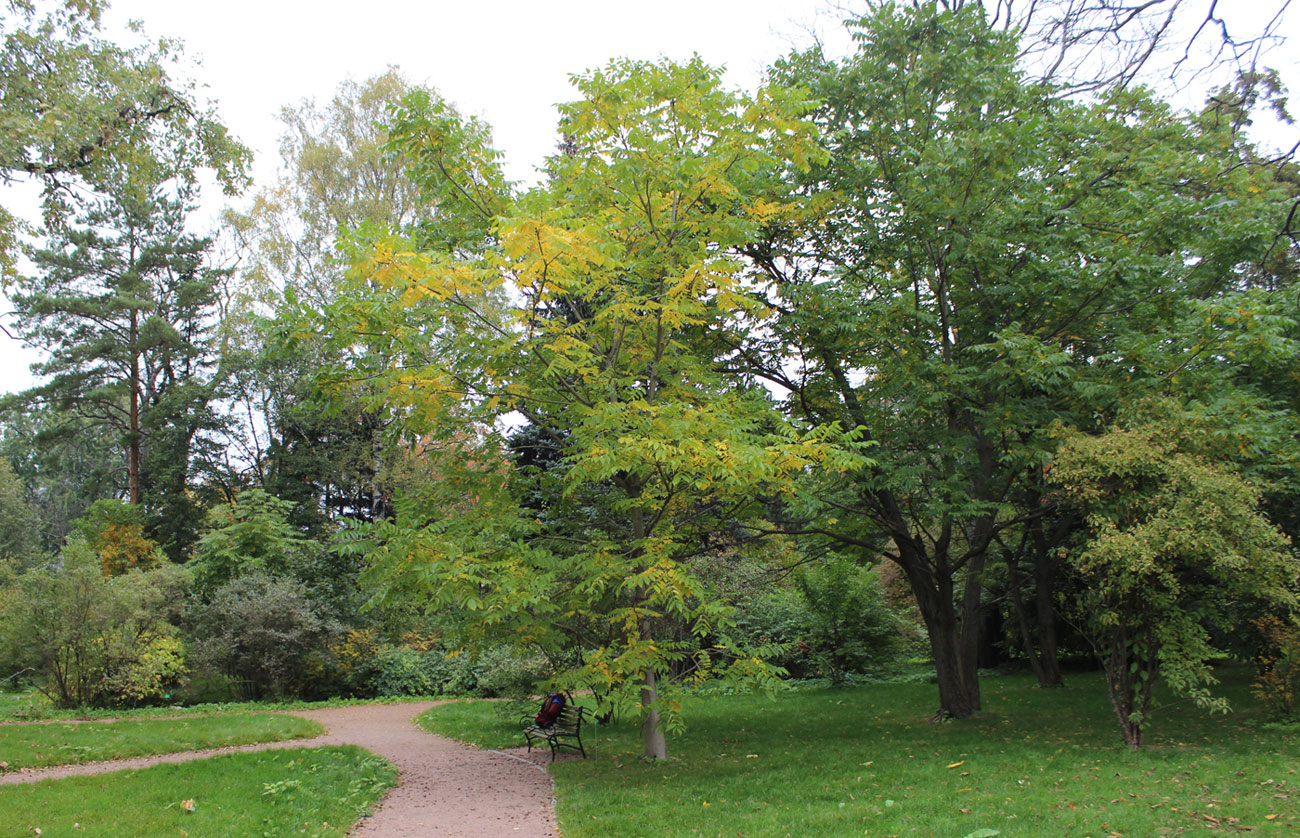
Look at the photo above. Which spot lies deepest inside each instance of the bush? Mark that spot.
(95, 641)
(505, 671)
(114, 530)
(250, 536)
(852, 629)
(777, 625)
(368, 667)
(261, 630)
(1278, 665)
(401, 671)
(834, 622)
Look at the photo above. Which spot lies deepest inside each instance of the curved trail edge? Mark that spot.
(444, 788)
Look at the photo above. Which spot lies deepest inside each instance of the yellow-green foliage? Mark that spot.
(627, 292)
(1175, 546)
(96, 640)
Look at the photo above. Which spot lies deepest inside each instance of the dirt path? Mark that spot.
(444, 788)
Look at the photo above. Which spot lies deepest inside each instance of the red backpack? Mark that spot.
(551, 708)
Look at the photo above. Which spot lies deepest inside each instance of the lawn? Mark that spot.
(313, 792)
(36, 745)
(867, 761)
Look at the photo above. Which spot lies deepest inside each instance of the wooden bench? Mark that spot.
(568, 725)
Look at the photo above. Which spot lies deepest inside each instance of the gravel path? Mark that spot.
(444, 788)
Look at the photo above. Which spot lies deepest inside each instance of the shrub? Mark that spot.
(776, 625)
(1278, 665)
(114, 530)
(261, 630)
(401, 671)
(250, 536)
(96, 641)
(505, 671)
(834, 622)
(852, 629)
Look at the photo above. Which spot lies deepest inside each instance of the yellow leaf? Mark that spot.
(955, 764)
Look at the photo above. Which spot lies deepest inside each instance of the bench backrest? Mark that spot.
(571, 717)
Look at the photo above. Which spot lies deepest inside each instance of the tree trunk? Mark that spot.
(1131, 670)
(1047, 565)
(133, 418)
(1041, 655)
(1045, 583)
(958, 697)
(972, 623)
(656, 747)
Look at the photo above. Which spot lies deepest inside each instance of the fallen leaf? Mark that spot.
(955, 764)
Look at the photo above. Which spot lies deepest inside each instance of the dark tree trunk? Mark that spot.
(972, 621)
(1041, 653)
(1045, 573)
(133, 415)
(958, 684)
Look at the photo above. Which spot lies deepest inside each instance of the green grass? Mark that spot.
(313, 792)
(31, 705)
(36, 745)
(867, 761)
(487, 724)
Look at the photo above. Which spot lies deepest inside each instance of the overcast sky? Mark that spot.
(507, 61)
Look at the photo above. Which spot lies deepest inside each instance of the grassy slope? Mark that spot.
(38, 745)
(867, 761)
(315, 792)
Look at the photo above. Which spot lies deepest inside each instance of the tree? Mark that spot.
(64, 463)
(79, 109)
(19, 522)
(623, 286)
(122, 301)
(1175, 544)
(338, 177)
(982, 257)
(1101, 45)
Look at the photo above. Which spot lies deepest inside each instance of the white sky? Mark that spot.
(507, 62)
